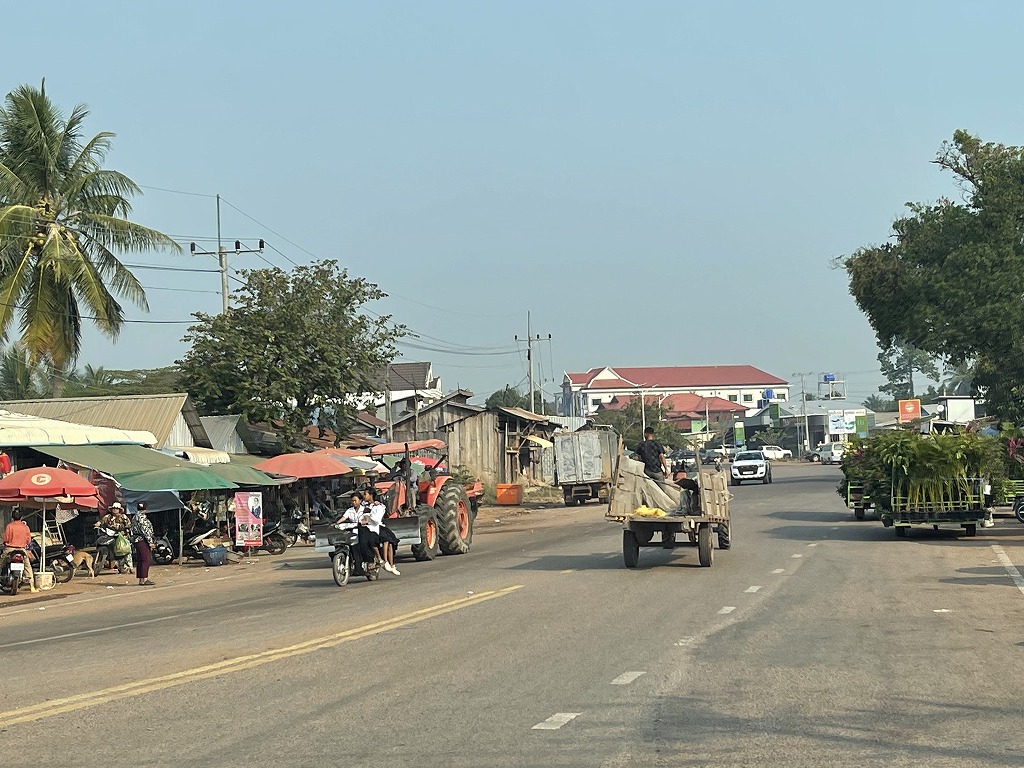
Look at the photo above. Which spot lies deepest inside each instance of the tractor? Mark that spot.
(430, 509)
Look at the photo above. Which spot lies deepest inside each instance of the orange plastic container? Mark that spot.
(508, 495)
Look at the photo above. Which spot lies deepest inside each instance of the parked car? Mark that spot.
(828, 453)
(775, 452)
(750, 465)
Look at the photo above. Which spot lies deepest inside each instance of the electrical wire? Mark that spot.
(278, 234)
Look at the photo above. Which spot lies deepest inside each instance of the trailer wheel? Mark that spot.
(454, 523)
(858, 512)
(668, 539)
(427, 548)
(644, 535)
(705, 548)
(971, 529)
(724, 537)
(568, 499)
(630, 549)
(901, 531)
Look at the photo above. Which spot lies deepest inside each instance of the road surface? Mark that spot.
(816, 640)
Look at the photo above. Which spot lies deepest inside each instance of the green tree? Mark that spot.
(63, 217)
(509, 397)
(296, 349)
(20, 378)
(879, 404)
(899, 362)
(629, 421)
(950, 282)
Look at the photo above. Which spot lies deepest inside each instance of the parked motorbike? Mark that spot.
(1018, 508)
(294, 530)
(193, 544)
(12, 571)
(274, 541)
(60, 560)
(342, 544)
(105, 551)
(163, 551)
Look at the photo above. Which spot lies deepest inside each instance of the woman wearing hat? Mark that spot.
(142, 538)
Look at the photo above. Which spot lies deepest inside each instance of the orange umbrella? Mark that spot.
(304, 465)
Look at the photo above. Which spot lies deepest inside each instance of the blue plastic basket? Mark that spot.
(215, 555)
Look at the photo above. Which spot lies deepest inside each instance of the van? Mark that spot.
(828, 453)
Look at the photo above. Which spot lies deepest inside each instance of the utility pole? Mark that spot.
(389, 419)
(530, 339)
(222, 258)
(805, 444)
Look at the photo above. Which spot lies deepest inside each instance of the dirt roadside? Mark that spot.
(491, 519)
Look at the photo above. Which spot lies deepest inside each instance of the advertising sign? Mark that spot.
(910, 410)
(739, 433)
(845, 422)
(248, 519)
(862, 425)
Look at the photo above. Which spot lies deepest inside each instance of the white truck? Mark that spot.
(585, 464)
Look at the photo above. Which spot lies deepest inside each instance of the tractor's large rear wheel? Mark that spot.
(454, 519)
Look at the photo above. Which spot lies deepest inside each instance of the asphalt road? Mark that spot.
(816, 640)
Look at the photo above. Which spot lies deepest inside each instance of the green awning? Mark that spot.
(243, 475)
(173, 479)
(132, 466)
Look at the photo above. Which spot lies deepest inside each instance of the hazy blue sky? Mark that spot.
(627, 172)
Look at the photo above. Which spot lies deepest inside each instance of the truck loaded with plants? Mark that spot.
(912, 479)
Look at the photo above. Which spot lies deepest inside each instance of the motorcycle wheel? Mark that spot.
(340, 568)
(1018, 509)
(291, 539)
(275, 544)
(163, 556)
(62, 570)
(15, 584)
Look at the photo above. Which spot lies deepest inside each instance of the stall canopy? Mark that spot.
(128, 465)
(21, 429)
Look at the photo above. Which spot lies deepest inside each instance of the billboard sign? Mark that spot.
(910, 410)
(248, 519)
(845, 422)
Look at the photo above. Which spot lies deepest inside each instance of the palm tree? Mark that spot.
(62, 218)
(20, 379)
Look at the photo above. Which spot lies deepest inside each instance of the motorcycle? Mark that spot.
(343, 549)
(163, 552)
(193, 545)
(294, 530)
(274, 541)
(12, 571)
(61, 561)
(105, 551)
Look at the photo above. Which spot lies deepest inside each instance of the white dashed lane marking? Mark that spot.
(812, 545)
(556, 721)
(627, 677)
(796, 556)
(727, 609)
(751, 590)
(779, 570)
(684, 641)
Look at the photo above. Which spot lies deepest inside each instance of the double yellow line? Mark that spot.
(239, 663)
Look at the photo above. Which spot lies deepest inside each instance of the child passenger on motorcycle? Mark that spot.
(358, 517)
(388, 540)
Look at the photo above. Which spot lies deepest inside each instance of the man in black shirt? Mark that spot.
(652, 454)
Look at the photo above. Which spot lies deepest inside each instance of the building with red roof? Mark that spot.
(690, 389)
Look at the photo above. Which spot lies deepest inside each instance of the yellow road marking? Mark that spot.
(230, 666)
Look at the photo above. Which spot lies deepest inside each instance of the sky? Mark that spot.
(650, 183)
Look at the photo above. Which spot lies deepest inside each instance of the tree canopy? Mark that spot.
(509, 397)
(950, 281)
(63, 220)
(295, 349)
(629, 421)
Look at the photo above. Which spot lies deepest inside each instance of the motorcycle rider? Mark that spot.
(388, 540)
(117, 521)
(17, 538)
(357, 516)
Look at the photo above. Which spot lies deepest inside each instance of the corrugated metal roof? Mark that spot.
(22, 429)
(226, 433)
(521, 413)
(150, 413)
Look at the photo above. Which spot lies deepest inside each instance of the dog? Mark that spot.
(86, 559)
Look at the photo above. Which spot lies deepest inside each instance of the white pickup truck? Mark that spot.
(775, 453)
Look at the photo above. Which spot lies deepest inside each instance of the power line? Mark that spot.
(176, 191)
(256, 221)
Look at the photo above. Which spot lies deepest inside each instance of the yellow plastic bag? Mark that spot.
(649, 512)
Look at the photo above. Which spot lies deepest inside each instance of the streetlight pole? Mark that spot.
(805, 445)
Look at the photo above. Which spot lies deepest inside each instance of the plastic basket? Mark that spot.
(215, 555)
